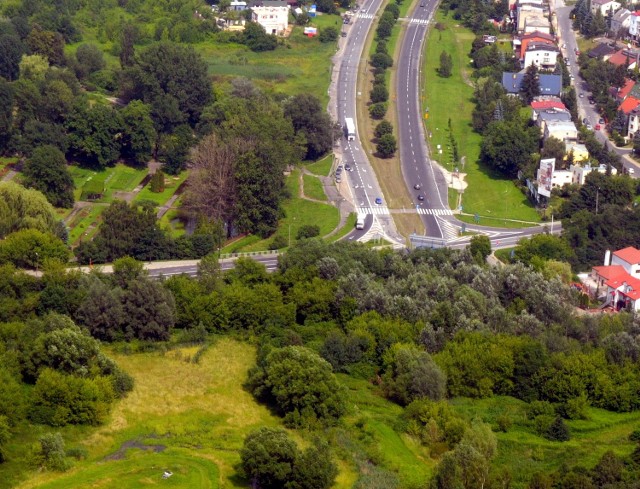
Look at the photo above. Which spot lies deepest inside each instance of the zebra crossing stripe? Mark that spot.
(380, 211)
(419, 21)
(383, 210)
(365, 16)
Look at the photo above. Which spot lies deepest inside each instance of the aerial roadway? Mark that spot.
(363, 184)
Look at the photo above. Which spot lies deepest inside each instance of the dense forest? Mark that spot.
(423, 328)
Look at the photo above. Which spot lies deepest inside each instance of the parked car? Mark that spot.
(598, 127)
(589, 127)
(601, 121)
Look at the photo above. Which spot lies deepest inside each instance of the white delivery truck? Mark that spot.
(360, 221)
(350, 128)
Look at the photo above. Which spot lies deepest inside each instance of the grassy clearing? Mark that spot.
(298, 212)
(171, 222)
(171, 182)
(487, 194)
(525, 453)
(321, 167)
(199, 412)
(313, 188)
(303, 65)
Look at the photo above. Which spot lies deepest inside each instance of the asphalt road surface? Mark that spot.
(420, 176)
(362, 179)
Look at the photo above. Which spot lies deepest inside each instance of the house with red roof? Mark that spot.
(623, 58)
(620, 274)
(629, 105)
(620, 94)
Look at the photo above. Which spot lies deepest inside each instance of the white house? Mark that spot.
(620, 274)
(634, 24)
(542, 54)
(620, 22)
(529, 12)
(604, 6)
(274, 19)
(579, 172)
(561, 130)
(634, 123)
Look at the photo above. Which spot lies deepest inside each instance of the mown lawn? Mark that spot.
(487, 194)
(321, 167)
(172, 184)
(84, 224)
(313, 188)
(119, 178)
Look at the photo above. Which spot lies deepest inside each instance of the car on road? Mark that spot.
(601, 121)
(581, 95)
(585, 120)
(343, 33)
(598, 127)
(591, 101)
(568, 63)
(379, 200)
(420, 197)
(417, 186)
(589, 127)
(348, 167)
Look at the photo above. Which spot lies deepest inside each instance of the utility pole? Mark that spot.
(597, 194)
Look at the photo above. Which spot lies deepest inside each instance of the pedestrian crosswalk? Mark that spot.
(364, 16)
(419, 21)
(449, 230)
(384, 210)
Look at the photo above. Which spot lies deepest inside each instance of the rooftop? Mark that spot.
(629, 104)
(548, 104)
(628, 254)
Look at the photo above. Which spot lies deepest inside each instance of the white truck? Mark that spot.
(350, 128)
(360, 221)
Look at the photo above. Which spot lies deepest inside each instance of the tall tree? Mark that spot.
(6, 111)
(312, 122)
(46, 171)
(127, 41)
(446, 65)
(530, 87)
(46, 43)
(508, 146)
(11, 51)
(138, 133)
(22, 208)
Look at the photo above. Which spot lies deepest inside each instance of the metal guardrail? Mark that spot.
(426, 242)
(249, 253)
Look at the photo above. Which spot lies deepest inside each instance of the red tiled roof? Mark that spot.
(610, 272)
(547, 104)
(628, 254)
(628, 86)
(628, 105)
(536, 37)
(634, 283)
(538, 34)
(620, 59)
(636, 13)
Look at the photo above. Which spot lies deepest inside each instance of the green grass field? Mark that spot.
(524, 452)
(487, 193)
(84, 224)
(321, 167)
(346, 229)
(119, 178)
(172, 183)
(313, 188)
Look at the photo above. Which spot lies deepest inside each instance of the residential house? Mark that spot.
(620, 23)
(549, 84)
(525, 12)
(634, 123)
(542, 54)
(272, 15)
(605, 6)
(523, 41)
(629, 105)
(537, 23)
(621, 93)
(561, 130)
(238, 5)
(580, 152)
(602, 51)
(624, 57)
(579, 172)
(620, 276)
(634, 25)
(543, 117)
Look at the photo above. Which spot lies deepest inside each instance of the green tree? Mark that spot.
(5, 435)
(268, 457)
(300, 384)
(101, 310)
(94, 133)
(378, 111)
(558, 431)
(149, 310)
(31, 248)
(22, 208)
(11, 51)
(508, 146)
(90, 59)
(6, 111)
(46, 171)
(554, 148)
(379, 93)
(138, 134)
(383, 127)
(480, 247)
(52, 453)
(530, 87)
(411, 374)
(175, 149)
(46, 43)
(387, 146)
(157, 182)
(311, 121)
(381, 61)
(256, 39)
(314, 469)
(128, 38)
(328, 34)
(446, 65)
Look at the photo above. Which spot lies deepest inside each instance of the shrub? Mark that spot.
(381, 60)
(387, 146)
(504, 422)
(308, 231)
(558, 430)
(51, 453)
(383, 127)
(157, 184)
(379, 93)
(378, 111)
(278, 242)
(328, 34)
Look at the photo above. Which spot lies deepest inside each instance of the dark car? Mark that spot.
(347, 167)
(379, 200)
(420, 197)
(601, 121)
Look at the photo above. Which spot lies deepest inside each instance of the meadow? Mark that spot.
(491, 196)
